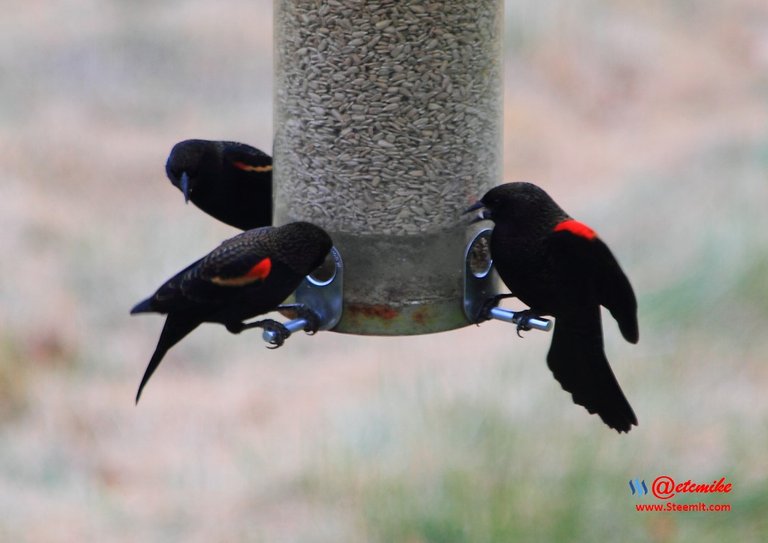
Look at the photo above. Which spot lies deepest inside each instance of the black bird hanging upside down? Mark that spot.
(230, 181)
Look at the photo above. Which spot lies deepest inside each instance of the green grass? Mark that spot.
(467, 473)
(14, 379)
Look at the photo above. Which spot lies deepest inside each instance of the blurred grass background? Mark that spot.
(648, 120)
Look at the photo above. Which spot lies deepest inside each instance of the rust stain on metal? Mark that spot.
(421, 316)
(288, 313)
(377, 311)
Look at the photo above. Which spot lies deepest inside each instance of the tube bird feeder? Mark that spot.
(388, 123)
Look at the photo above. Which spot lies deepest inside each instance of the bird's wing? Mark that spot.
(238, 262)
(584, 262)
(168, 296)
(616, 293)
(587, 276)
(246, 158)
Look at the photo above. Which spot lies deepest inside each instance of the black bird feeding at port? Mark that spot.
(247, 275)
(559, 266)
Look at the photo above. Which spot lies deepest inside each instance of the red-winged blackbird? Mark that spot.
(230, 181)
(245, 276)
(558, 266)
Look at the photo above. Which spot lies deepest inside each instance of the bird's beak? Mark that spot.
(184, 185)
(483, 215)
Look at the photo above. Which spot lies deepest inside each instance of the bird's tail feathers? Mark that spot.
(174, 331)
(578, 362)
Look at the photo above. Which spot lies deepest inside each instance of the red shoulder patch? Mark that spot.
(251, 168)
(577, 228)
(261, 270)
(258, 272)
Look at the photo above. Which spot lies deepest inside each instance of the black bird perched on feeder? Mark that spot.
(247, 275)
(558, 266)
(230, 181)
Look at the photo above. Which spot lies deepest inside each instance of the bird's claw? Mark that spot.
(521, 319)
(303, 312)
(280, 332)
(313, 322)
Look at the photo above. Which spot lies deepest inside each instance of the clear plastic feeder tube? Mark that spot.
(388, 124)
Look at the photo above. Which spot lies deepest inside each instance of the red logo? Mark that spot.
(664, 487)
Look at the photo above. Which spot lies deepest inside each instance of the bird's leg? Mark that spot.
(281, 333)
(490, 303)
(303, 312)
(236, 327)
